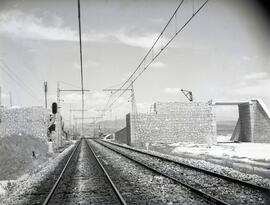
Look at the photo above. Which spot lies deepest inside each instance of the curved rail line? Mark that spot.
(244, 183)
(61, 176)
(191, 188)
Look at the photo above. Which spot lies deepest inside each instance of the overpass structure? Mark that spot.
(253, 124)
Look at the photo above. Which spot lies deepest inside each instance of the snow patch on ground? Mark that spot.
(250, 151)
(224, 138)
(4, 186)
(203, 164)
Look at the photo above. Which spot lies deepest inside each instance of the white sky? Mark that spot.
(223, 54)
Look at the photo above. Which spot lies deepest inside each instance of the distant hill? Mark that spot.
(121, 123)
(106, 127)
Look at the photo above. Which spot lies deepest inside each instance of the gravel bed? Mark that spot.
(218, 187)
(139, 185)
(251, 178)
(32, 188)
(84, 182)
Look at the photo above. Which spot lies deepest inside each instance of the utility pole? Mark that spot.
(59, 133)
(59, 123)
(115, 122)
(70, 119)
(73, 110)
(10, 99)
(0, 96)
(80, 40)
(133, 100)
(92, 118)
(103, 111)
(133, 111)
(133, 104)
(45, 91)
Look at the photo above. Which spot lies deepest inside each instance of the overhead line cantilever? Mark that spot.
(161, 50)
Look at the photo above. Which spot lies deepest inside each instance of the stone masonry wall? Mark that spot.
(253, 123)
(261, 124)
(121, 136)
(174, 122)
(29, 121)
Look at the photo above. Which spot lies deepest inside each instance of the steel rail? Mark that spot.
(191, 188)
(49, 196)
(244, 183)
(118, 194)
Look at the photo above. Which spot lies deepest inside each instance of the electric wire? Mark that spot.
(18, 81)
(66, 83)
(160, 51)
(149, 51)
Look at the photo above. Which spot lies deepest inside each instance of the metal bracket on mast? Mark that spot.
(188, 94)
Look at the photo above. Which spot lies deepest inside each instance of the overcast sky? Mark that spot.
(223, 54)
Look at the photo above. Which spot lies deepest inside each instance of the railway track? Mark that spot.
(37, 193)
(84, 181)
(140, 185)
(216, 188)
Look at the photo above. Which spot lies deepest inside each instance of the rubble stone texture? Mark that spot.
(29, 121)
(260, 124)
(172, 122)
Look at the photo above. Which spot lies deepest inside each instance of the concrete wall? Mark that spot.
(121, 136)
(30, 121)
(245, 122)
(173, 122)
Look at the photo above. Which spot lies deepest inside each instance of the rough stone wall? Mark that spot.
(253, 123)
(261, 124)
(121, 136)
(30, 121)
(174, 122)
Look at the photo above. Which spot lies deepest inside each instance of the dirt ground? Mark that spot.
(17, 157)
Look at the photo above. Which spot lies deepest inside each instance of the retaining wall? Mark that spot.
(29, 121)
(260, 123)
(171, 123)
(253, 124)
(121, 136)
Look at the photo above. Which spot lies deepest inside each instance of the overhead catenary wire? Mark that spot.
(159, 52)
(152, 47)
(81, 58)
(15, 77)
(19, 81)
(166, 45)
(106, 105)
(74, 86)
